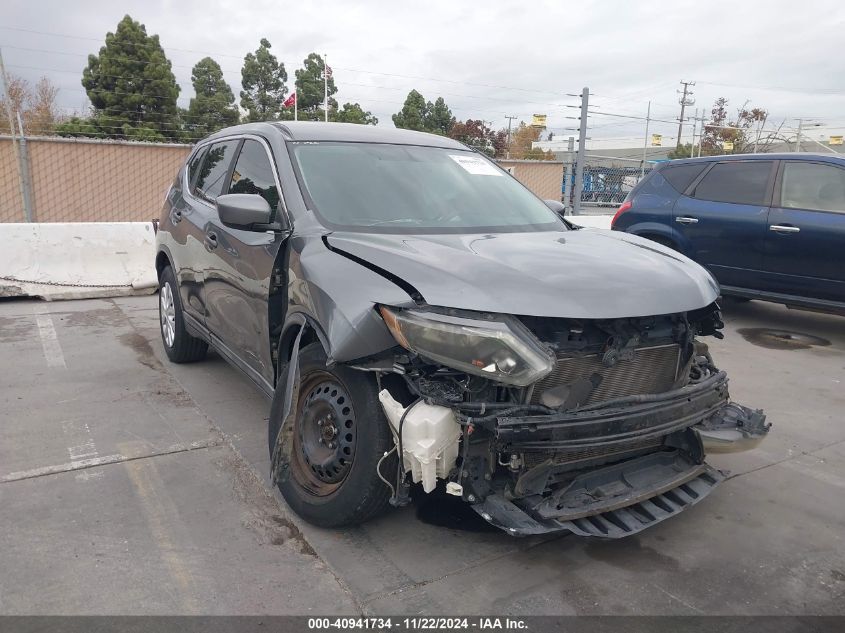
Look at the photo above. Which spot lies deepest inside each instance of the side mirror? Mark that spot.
(556, 206)
(243, 210)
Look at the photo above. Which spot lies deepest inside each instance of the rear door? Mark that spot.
(240, 279)
(206, 185)
(805, 240)
(722, 219)
(188, 221)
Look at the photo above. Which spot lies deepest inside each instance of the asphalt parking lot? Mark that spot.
(129, 485)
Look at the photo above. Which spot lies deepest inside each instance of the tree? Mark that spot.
(354, 113)
(412, 116)
(522, 141)
(37, 106)
(263, 80)
(499, 141)
(417, 114)
(682, 151)
(311, 89)
(438, 117)
(739, 130)
(131, 84)
(213, 107)
(475, 134)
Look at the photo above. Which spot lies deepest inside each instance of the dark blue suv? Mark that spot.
(768, 226)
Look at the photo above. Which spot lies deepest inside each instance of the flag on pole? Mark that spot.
(328, 72)
(291, 101)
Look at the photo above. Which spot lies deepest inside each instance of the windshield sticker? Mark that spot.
(476, 165)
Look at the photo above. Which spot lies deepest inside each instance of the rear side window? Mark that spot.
(812, 186)
(215, 167)
(253, 173)
(193, 167)
(681, 176)
(737, 182)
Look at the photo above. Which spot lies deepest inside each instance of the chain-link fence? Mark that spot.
(49, 179)
(608, 179)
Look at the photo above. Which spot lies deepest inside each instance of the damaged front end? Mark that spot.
(596, 427)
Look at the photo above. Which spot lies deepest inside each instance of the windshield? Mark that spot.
(411, 189)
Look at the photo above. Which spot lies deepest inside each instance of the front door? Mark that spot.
(239, 283)
(723, 220)
(805, 240)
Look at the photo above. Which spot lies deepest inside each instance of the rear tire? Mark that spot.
(340, 433)
(179, 346)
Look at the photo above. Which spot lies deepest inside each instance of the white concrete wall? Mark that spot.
(77, 260)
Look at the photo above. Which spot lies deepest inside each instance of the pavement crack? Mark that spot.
(785, 459)
(468, 567)
(105, 460)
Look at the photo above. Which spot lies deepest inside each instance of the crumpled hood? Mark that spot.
(584, 273)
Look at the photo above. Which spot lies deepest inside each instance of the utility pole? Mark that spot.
(798, 136)
(645, 142)
(582, 146)
(685, 100)
(694, 125)
(510, 118)
(760, 129)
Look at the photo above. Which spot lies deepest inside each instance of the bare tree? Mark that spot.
(36, 106)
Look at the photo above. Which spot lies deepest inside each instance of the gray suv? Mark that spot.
(418, 317)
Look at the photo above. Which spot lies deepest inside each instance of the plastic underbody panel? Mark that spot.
(630, 507)
(608, 471)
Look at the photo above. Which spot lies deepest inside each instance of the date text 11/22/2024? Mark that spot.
(417, 624)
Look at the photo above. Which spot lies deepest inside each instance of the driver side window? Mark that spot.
(253, 173)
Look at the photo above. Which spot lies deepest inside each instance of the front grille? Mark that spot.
(651, 370)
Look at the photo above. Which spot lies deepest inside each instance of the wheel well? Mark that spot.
(286, 345)
(162, 261)
(660, 239)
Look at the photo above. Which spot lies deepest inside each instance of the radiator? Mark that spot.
(651, 370)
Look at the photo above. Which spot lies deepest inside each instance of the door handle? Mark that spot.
(177, 216)
(210, 241)
(686, 220)
(784, 228)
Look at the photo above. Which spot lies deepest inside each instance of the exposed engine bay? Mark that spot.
(597, 427)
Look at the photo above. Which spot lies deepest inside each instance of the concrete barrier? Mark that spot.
(77, 260)
(591, 221)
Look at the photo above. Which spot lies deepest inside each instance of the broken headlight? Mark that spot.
(499, 348)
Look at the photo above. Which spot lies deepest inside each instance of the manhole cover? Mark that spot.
(781, 339)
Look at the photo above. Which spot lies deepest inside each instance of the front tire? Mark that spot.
(339, 435)
(179, 346)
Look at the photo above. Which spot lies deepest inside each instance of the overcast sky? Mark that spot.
(486, 59)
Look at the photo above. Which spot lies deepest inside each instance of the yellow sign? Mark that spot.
(835, 140)
(728, 146)
(538, 120)
(656, 140)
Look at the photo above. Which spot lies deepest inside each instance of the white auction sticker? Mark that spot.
(475, 165)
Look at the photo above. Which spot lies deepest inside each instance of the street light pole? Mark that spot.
(578, 189)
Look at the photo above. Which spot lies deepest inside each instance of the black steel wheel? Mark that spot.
(339, 435)
(324, 445)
